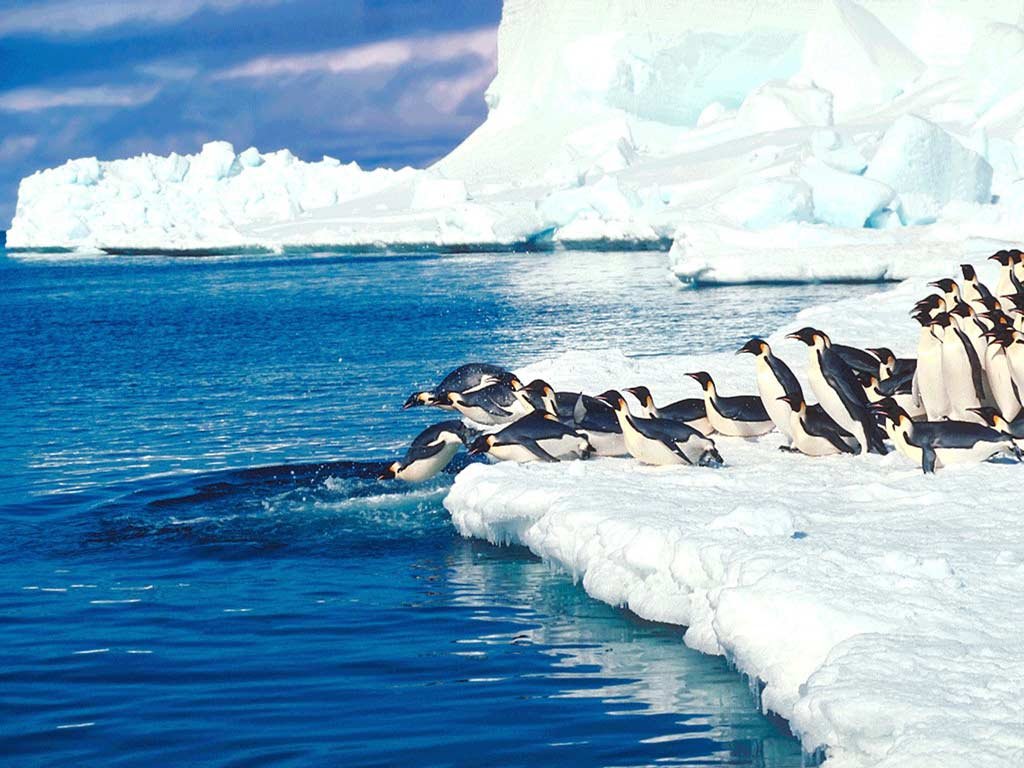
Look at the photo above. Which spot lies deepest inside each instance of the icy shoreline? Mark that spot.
(881, 609)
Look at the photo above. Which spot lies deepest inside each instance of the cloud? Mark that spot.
(79, 17)
(37, 99)
(16, 147)
(385, 54)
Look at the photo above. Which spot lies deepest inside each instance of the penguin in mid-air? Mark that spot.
(775, 382)
(493, 405)
(537, 436)
(430, 452)
(736, 416)
(838, 390)
(690, 410)
(935, 444)
(814, 432)
(661, 441)
(464, 379)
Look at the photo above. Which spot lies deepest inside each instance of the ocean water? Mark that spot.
(197, 565)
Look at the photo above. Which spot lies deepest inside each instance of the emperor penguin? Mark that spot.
(464, 379)
(1009, 282)
(892, 366)
(929, 386)
(991, 417)
(1015, 357)
(975, 292)
(661, 441)
(537, 436)
(950, 290)
(775, 382)
(735, 416)
(596, 420)
(863, 364)
(814, 432)
(838, 390)
(1005, 392)
(931, 304)
(962, 373)
(430, 452)
(899, 390)
(690, 410)
(538, 395)
(935, 444)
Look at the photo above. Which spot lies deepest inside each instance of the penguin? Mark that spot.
(737, 416)
(814, 433)
(962, 374)
(950, 290)
(931, 304)
(838, 391)
(596, 420)
(1005, 392)
(491, 406)
(466, 378)
(1015, 357)
(538, 395)
(1009, 283)
(892, 366)
(929, 385)
(775, 382)
(898, 390)
(430, 452)
(863, 364)
(537, 436)
(662, 441)
(975, 292)
(991, 417)
(935, 444)
(690, 410)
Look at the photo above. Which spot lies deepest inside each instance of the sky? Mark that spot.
(381, 82)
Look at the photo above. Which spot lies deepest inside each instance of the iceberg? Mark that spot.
(624, 125)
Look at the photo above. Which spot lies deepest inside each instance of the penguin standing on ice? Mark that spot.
(1009, 283)
(537, 436)
(775, 383)
(661, 441)
(690, 410)
(929, 387)
(838, 390)
(962, 373)
(814, 432)
(736, 416)
(430, 452)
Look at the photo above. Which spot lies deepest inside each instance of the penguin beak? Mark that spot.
(388, 474)
(413, 400)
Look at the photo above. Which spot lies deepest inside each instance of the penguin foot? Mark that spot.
(788, 449)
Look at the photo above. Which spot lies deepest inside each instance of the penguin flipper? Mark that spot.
(579, 411)
(837, 442)
(674, 447)
(972, 356)
(928, 458)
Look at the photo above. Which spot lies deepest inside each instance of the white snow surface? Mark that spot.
(632, 120)
(882, 609)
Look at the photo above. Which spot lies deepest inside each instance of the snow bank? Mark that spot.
(881, 608)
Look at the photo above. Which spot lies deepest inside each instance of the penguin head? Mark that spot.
(810, 336)
(703, 378)
(513, 382)
(991, 303)
(962, 309)
(1017, 300)
(1005, 258)
(930, 302)
(968, 272)
(613, 398)
(990, 416)
(643, 394)
(948, 285)
(711, 458)
(419, 398)
(454, 398)
(887, 409)
(942, 320)
(998, 318)
(481, 445)
(755, 346)
(391, 472)
(924, 318)
(884, 355)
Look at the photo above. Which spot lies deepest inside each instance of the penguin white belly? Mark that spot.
(956, 371)
(770, 390)
(650, 451)
(480, 416)
(606, 443)
(909, 403)
(1000, 379)
(811, 445)
(1015, 359)
(513, 452)
(733, 428)
(566, 447)
(424, 469)
(979, 452)
(930, 384)
(829, 399)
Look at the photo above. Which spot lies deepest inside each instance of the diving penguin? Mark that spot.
(430, 452)
(466, 378)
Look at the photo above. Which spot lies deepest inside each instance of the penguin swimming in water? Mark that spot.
(661, 441)
(814, 432)
(537, 436)
(466, 378)
(775, 382)
(838, 390)
(691, 410)
(935, 444)
(736, 416)
(430, 452)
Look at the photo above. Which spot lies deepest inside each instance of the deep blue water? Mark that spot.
(197, 566)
